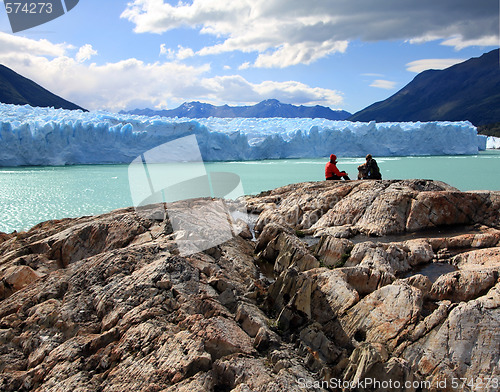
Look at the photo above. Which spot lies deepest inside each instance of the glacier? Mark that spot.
(493, 142)
(32, 136)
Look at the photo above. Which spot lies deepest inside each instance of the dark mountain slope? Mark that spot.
(18, 90)
(465, 91)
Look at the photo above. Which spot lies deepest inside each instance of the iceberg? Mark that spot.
(46, 136)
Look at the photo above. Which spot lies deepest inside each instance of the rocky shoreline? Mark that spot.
(328, 289)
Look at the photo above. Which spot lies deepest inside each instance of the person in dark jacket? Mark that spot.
(369, 170)
(332, 172)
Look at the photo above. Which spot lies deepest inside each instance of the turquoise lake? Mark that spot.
(29, 195)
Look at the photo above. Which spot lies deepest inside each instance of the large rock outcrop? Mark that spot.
(329, 292)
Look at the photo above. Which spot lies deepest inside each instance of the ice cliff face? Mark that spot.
(43, 136)
(493, 142)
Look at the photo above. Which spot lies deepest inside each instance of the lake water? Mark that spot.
(29, 195)
(432, 270)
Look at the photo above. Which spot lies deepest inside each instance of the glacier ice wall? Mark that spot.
(493, 142)
(46, 136)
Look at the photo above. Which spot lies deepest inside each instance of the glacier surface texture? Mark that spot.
(493, 142)
(45, 136)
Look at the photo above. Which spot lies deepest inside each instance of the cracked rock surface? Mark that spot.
(335, 286)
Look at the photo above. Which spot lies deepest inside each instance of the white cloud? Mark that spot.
(182, 53)
(112, 86)
(423, 39)
(290, 32)
(245, 65)
(85, 53)
(237, 90)
(15, 44)
(164, 51)
(376, 75)
(385, 84)
(458, 42)
(303, 53)
(425, 64)
(132, 83)
(299, 93)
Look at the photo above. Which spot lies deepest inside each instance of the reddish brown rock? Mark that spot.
(223, 337)
(431, 209)
(462, 343)
(384, 315)
(463, 285)
(333, 251)
(15, 278)
(376, 208)
(479, 259)
(4, 237)
(107, 302)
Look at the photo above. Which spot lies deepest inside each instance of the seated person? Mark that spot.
(332, 172)
(369, 170)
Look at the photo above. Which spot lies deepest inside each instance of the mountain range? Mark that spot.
(18, 90)
(264, 109)
(466, 91)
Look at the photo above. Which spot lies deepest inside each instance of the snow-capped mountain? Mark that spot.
(266, 109)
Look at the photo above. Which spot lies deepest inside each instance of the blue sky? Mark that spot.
(345, 54)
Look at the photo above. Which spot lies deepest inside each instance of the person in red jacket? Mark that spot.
(332, 172)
